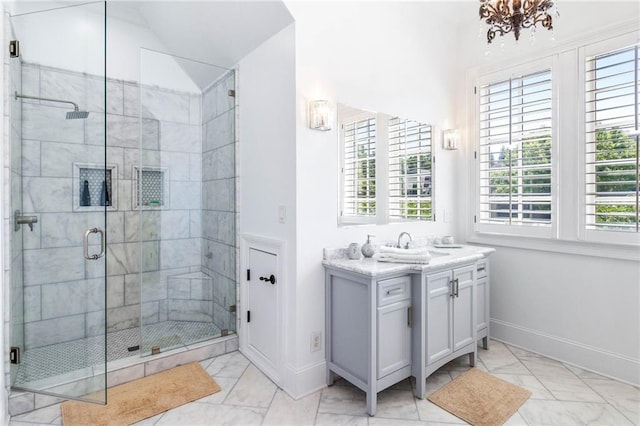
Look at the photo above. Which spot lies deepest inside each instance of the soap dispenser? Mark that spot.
(367, 248)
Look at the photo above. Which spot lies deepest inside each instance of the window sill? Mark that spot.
(580, 248)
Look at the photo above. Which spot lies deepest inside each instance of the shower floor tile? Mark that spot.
(80, 355)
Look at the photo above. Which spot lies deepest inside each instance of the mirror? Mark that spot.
(386, 167)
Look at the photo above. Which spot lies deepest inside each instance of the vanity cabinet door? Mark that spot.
(464, 321)
(394, 337)
(439, 316)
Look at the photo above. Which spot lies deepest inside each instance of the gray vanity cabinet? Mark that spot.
(368, 326)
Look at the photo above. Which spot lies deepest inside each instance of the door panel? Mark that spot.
(463, 308)
(439, 316)
(394, 338)
(262, 304)
(58, 106)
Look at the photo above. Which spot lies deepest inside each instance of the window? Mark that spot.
(382, 151)
(612, 169)
(359, 168)
(515, 161)
(410, 189)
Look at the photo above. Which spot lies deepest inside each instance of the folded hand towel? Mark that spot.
(416, 260)
(396, 250)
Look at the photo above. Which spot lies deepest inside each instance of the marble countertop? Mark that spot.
(441, 258)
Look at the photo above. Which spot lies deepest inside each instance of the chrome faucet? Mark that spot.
(400, 237)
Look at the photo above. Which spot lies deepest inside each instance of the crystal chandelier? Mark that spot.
(504, 16)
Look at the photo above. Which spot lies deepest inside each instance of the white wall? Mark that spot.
(582, 308)
(267, 158)
(389, 57)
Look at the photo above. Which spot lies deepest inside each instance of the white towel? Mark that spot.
(401, 251)
(415, 259)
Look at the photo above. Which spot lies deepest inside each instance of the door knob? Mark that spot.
(271, 279)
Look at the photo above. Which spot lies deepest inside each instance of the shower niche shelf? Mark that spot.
(95, 187)
(150, 187)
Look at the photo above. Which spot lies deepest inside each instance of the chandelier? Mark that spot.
(505, 16)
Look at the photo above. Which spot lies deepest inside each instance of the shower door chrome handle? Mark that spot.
(86, 244)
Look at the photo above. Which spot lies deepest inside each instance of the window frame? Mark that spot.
(584, 53)
(382, 172)
(528, 230)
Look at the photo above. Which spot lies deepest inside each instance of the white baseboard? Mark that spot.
(609, 364)
(300, 382)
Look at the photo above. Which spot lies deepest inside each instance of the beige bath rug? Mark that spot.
(480, 398)
(137, 400)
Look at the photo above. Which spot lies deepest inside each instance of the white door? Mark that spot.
(262, 310)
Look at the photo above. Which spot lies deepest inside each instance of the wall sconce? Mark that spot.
(320, 115)
(450, 139)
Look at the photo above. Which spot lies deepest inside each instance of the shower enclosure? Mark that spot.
(122, 191)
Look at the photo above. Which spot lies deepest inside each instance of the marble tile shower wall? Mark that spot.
(64, 303)
(219, 194)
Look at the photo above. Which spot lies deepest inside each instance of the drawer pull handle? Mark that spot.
(394, 291)
(481, 268)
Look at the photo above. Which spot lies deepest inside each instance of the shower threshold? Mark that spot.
(67, 368)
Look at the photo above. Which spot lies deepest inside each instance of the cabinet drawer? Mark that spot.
(394, 290)
(481, 269)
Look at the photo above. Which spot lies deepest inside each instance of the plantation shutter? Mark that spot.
(515, 150)
(359, 173)
(612, 168)
(410, 170)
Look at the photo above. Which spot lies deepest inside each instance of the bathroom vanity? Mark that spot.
(388, 321)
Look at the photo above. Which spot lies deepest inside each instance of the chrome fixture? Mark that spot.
(86, 244)
(18, 220)
(71, 115)
(402, 234)
(504, 16)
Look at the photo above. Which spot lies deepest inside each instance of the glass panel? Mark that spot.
(60, 192)
(185, 182)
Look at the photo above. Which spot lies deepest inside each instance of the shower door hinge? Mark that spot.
(14, 355)
(231, 93)
(232, 308)
(14, 49)
(224, 332)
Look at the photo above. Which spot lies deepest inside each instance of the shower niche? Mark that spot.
(94, 187)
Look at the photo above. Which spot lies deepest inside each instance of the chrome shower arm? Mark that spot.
(37, 98)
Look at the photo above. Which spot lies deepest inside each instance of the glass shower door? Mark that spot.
(62, 191)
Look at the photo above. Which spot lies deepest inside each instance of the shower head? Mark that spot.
(73, 115)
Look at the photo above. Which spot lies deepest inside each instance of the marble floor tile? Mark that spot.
(198, 413)
(499, 359)
(548, 367)
(436, 381)
(621, 396)
(328, 419)
(232, 364)
(343, 400)
(570, 389)
(515, 420)
(284, 410)
(253, 389)
(584, 374)
(397, 404)
(226, 385)
(522, 353)
(530, 383)
(540, 412)
(430, 412)
(380, 421)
